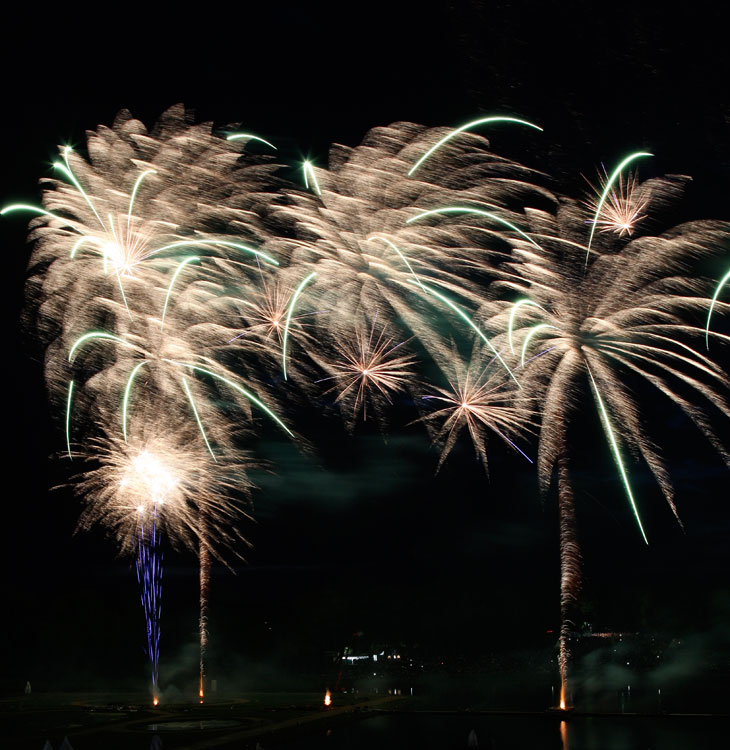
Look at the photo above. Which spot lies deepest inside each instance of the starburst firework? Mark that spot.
(624, 206)
(370, 367)
(479, 400)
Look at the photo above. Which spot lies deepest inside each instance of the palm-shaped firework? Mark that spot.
(172, 285)
(632, 310)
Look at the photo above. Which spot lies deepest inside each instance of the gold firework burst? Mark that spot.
(370, 367)
(623, 208)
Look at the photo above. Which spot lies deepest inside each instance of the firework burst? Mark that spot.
(623, 206)
(371, 367)
(144, 205)
(158, 484)
(163, 465)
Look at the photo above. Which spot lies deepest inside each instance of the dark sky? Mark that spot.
(365, 529)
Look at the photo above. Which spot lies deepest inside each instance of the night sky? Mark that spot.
(362, 537)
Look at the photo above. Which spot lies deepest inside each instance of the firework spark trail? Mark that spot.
(290, 310)
(570, 564)
(204, 557)
(713, 303)
(462, 129)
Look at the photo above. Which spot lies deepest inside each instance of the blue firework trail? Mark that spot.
(149, 577)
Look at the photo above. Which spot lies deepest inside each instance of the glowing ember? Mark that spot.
(328, 699)
(155, 701)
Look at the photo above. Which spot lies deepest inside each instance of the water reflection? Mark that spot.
(459, 731)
